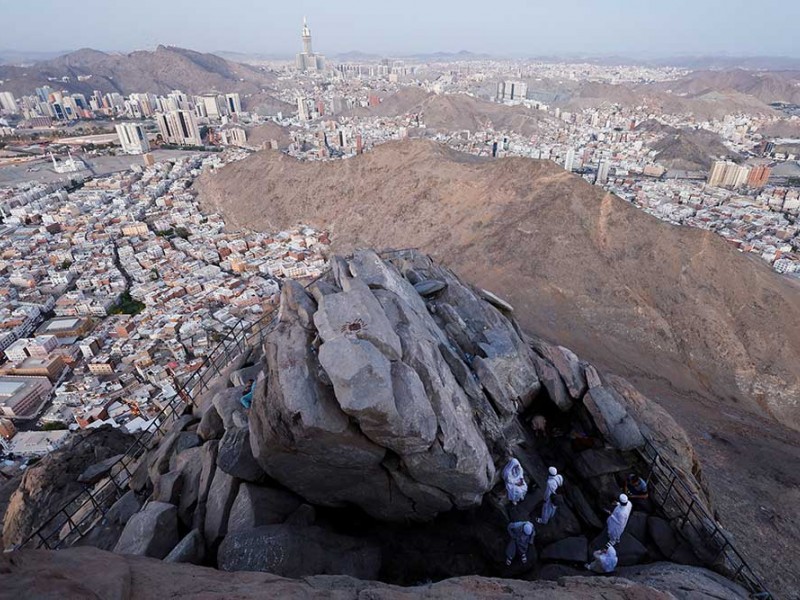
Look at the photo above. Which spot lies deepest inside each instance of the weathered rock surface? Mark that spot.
(256, 505)
(62, 574)
(613, 421)
(221, 496)
(190, 549)
(394, 397)
(291, 551)
(124, 508)
(235, 456)
(211, 426)
(168, 488)
(99, 470)
(573, 549)
(662, 535)
(152, 532)
(48, 485)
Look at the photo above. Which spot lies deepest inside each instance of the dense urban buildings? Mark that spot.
(115, 282)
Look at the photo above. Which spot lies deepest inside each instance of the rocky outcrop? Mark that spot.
(116, 577)
(388, 397)
(49, 484)
(151, 532)
(292, 551)
(397, 397)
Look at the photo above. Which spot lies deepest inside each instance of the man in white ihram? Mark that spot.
(554, 481)
(618, 519)
(605, 560)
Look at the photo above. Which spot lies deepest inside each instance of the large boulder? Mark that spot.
(189, 464)
(290, 551)
(257, 505)
(168, 488)
(211, 426)
(663, 535)
(208, 468)
(190, 549)
(566, 363)
(235, 456)
(227, 402)
(608, 412)
(99, 470)
(151, 532)
(221, 496)
(572, 549)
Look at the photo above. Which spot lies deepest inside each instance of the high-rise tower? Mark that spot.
(307, 60)
(306, 38)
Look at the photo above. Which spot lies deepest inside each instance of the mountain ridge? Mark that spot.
(159, 71)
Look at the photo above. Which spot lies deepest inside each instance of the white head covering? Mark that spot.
(528, 528)
(553, 471)
(623, 499)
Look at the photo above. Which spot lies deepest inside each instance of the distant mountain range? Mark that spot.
(159, 71)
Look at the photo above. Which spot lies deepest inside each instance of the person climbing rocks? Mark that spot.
(247, 397)
(605, 560)
(636, 489)
(618, 519)
(554, 481)
(513, 475)
(521, 534)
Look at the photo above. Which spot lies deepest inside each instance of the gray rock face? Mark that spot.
(295, 552)
(168, 488)
(97, 471)
(189, 464)
(207, 469)
(227, 402)
(152, 532)
(566, 363)
(242, 376)
(256, 506)
(613, 421)
(591, 463)
(429, 287)
(379, 383)
(573, 549)
(189, 550)
(235, 456)
(175, 441)
(124, 508)
(211, 426)
(662, 535)
(221, 496)
(553, 383)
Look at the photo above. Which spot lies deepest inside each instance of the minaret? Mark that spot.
(306, 38)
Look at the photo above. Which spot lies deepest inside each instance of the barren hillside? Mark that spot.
(159, 71)
(691, 149)
(582, 266)
(712, 334)
(454, 112)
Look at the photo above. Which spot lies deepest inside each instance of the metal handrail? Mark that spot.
(679, 502)
(50, 535)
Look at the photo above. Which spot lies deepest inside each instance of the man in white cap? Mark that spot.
(618, 519)
(554, 481)
(605, 560)
(521, 534)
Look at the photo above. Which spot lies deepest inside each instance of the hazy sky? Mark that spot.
(502, 27)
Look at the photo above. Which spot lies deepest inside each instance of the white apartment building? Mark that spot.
(133, 138)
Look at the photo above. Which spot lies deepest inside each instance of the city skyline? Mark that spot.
(516, 28)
